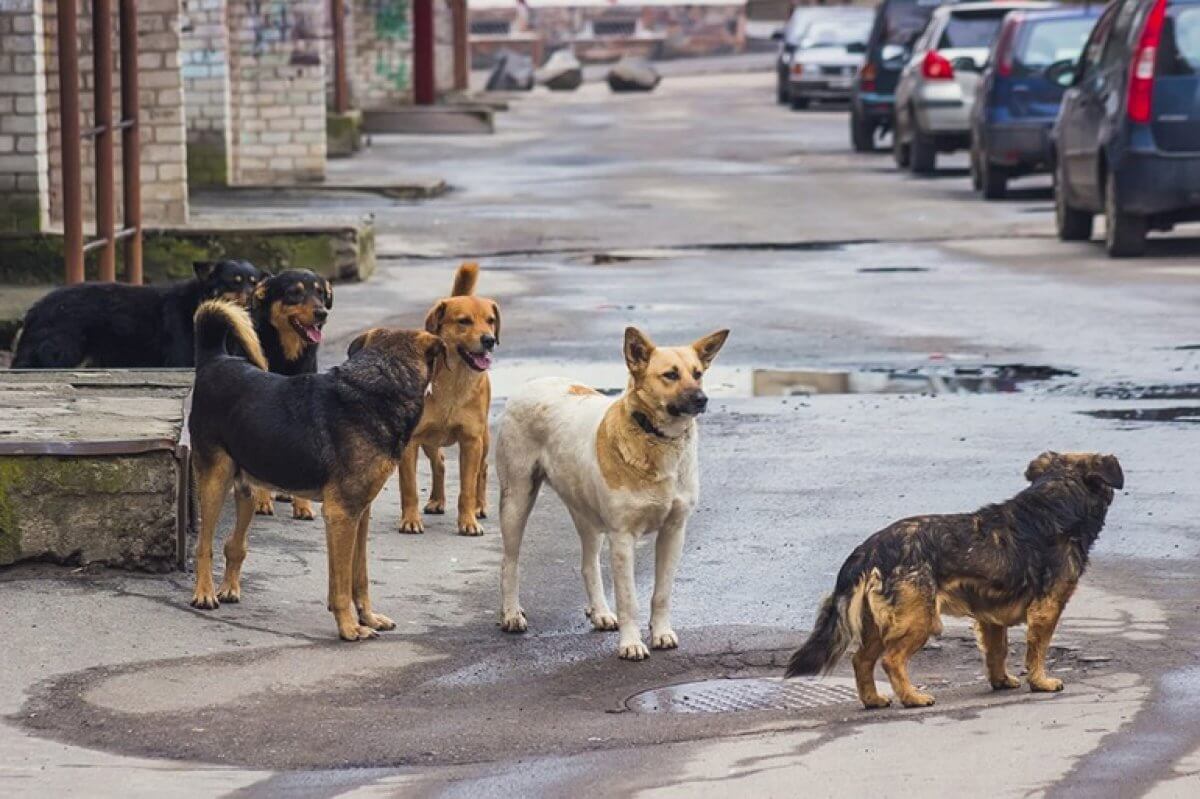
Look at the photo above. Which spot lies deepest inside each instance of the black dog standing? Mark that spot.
(119, 326)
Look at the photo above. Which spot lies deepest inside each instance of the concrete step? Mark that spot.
(456, 118)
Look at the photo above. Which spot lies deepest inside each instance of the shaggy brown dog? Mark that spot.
(1018, 561)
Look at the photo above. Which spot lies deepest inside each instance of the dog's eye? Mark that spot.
(464, 321)
(491, 321)
(671, 376)
(697, 374)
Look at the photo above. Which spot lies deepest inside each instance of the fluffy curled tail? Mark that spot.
(838, 627)
(217, 322)
(465, 279)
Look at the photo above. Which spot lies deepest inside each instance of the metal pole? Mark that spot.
(462, 46)
(341, 85)
(131, 151)
(102, 59)
(424, 85)
(72, 190)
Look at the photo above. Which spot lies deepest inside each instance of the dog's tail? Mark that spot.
(465, 279)
(838, 627)
(216, 323)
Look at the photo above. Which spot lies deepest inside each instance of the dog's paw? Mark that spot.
(435, 507)
(1007, 684)
(411, 526)
(876, 702)
(917, 699)
(667, 639)
(481, 513)
(205, 599)
(302, 509)
(469, 526)
(264, 506)
(514, 622)
(356, 632)
(604, 621)
(231, 594)
(281, 497)
(1046, 685)
(376, 621)
(633, 650)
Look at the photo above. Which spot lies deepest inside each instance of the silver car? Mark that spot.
(828, 56)
(936, 91)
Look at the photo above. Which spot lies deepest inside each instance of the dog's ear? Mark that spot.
(638, 349)
(708, 347)
(328, 291)
(1105, 469)
(496, 314)
(434, 348)
(260, 291)
(433, 320)
(204, 269)
(1038, 466)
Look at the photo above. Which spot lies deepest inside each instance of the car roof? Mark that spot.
(991, 5)
(1064, 12)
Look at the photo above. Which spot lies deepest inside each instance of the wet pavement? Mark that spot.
(897, 348)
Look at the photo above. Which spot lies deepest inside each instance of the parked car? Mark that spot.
(793, 33)
(1127, 139)
(897, 25)
(828, 57)
(1017, 101)
(937, 86)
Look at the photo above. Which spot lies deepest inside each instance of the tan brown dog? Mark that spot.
(456, 410)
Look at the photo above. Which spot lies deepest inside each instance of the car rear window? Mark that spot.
(835, 33)
(1050, 41)
(977, 29)
(905, 19)
(1179, 50)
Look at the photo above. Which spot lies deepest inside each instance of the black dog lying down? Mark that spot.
(336, 437)
(116, 325)
(1018, 561)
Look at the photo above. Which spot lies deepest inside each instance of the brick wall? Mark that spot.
(381, 67)
(163, 157)
(24, 204)
(204, 60)
(277, 90)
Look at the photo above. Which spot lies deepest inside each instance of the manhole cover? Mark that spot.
(732, 696)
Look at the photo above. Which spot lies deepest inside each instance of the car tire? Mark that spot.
(862, 134)
(1124, 234)
(1072, 223)
(901, 153)
(993, 179)
(781, 91)
(923, 156)
(799, 103)
(976, 179)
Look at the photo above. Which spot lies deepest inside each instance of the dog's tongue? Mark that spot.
(481, 360)
(314, 333)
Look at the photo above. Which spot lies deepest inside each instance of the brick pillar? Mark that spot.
(443, 46)
(205, 65)
(164, 156)
(277, 91)
(381, 66)
(24, 197)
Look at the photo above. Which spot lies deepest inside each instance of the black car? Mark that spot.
(898, 23)
(1127, 139)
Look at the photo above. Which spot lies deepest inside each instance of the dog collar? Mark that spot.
(643, 421)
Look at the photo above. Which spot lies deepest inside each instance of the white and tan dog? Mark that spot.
(623, 468)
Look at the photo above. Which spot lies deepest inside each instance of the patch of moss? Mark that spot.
(11, 479)
(20, 215)
(207, 164)
(343, 134)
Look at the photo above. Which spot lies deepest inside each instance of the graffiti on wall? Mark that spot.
(276, 23)
(391, 18)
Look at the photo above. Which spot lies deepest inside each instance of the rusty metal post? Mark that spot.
(102, 60)
(462, 46)
(341, 83)
(72, 189)
(424, 77)
(131, 151)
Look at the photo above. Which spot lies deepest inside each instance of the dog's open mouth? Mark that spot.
(310, 332)
(479, 361)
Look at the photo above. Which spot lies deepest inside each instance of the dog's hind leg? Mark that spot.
(264, 503)
(993, 640)
(864, 661)
(667, 550)
(235, 546)
(912, 619)
(519, 485)
(591, 540)
(481, 487)
(437, 491)
(302, 509)
(1042, 617)
(214, 474)
(410, 519)
(362, 593)
(621, 550)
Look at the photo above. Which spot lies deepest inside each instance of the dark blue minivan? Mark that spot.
(1018, 101)
(1127, 140)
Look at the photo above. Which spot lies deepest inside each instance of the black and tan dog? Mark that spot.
(289, 313)
(116, 325)
(335, 437)
(1017, 561)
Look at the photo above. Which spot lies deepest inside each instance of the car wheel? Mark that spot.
(924, 152)
(993, 179)
(976, 180)
(799, 103)
(862, 134)
(781, 91)
(1072, 223)
(900, 151)
(1124, 234)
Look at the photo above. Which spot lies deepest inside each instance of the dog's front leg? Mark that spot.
(1041, 618)
(630, 646)
(341, 538)
(667, 550)
(470, 456)
(362, 591)
(410, 518)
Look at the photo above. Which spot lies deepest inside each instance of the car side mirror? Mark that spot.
(893, 53)
(1062, 73)
(964, 63)
(856, 47)
(777, 35)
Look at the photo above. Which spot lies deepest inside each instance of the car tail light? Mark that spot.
(936, 67)
(866, 77)
(1141, 69)
(1005, 47)
(797, 69)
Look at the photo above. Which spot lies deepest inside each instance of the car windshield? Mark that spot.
(905, 19)
(1179, 52)
(971, 30)
(836, 33)
(1051, 41)
(797, 24)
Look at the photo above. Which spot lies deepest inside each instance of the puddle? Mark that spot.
(875, 270)
(988, 379)
(738, 695)
(1189, 415)
(1159, 392)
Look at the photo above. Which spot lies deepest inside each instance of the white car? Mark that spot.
(937, 86)
(828, 56)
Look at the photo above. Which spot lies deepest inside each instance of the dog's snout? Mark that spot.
(696, 401)
(320, 313)
(488, 341)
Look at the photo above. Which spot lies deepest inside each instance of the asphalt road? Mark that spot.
(700, 206)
